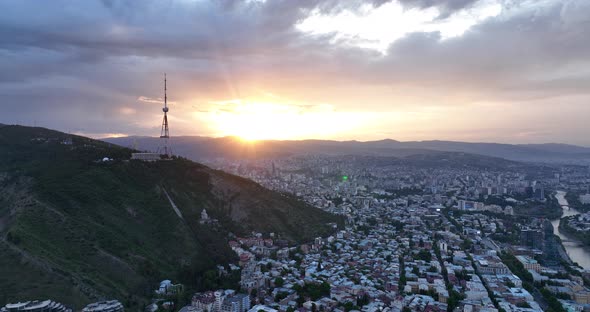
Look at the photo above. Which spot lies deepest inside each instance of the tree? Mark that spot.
(349, 306)
(279, 282)
(523, 304)
(554, 304)
(313, 290)
(281, 295)
(210, 279)
(300, 301)
(362, 301)
(402, 275)
(466, 244)
(454, 299)
(416, 270)
(424, 255)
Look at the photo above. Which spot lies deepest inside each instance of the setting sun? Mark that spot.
(252, 121)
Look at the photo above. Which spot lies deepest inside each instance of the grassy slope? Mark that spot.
(77, 230)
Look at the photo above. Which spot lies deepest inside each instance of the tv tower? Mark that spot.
(164, 134)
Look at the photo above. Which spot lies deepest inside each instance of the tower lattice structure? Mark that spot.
(165, 133)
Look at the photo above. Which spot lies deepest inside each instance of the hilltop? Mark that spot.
(75, 228)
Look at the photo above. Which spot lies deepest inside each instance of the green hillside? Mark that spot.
(76, 229)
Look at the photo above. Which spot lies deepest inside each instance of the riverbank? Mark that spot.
(573, 199)
(573, 248)
(564, 227)
(550, 209)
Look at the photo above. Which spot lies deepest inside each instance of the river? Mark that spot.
(574, 249)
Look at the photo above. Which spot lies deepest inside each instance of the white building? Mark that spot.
(104, 306)
(264, 308)
(146, 156)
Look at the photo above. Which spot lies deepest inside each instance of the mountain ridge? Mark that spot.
(203, 148)
(386, 140)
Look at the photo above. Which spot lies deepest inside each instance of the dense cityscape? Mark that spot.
(416, 239)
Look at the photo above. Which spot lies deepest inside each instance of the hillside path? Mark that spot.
(173, 204)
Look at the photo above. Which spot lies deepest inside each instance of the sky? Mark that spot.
(466, 70)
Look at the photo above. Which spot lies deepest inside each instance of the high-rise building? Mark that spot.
(539, 193)
(532, 238)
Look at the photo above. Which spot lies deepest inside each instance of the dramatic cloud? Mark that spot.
(493, 70)
(378, 26)
(445, 7)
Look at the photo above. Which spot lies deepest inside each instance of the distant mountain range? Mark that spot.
(76, 228)
(199, 148)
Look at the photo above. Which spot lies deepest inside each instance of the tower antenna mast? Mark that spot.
(165, 134)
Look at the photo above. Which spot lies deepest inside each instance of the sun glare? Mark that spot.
(253, 121)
